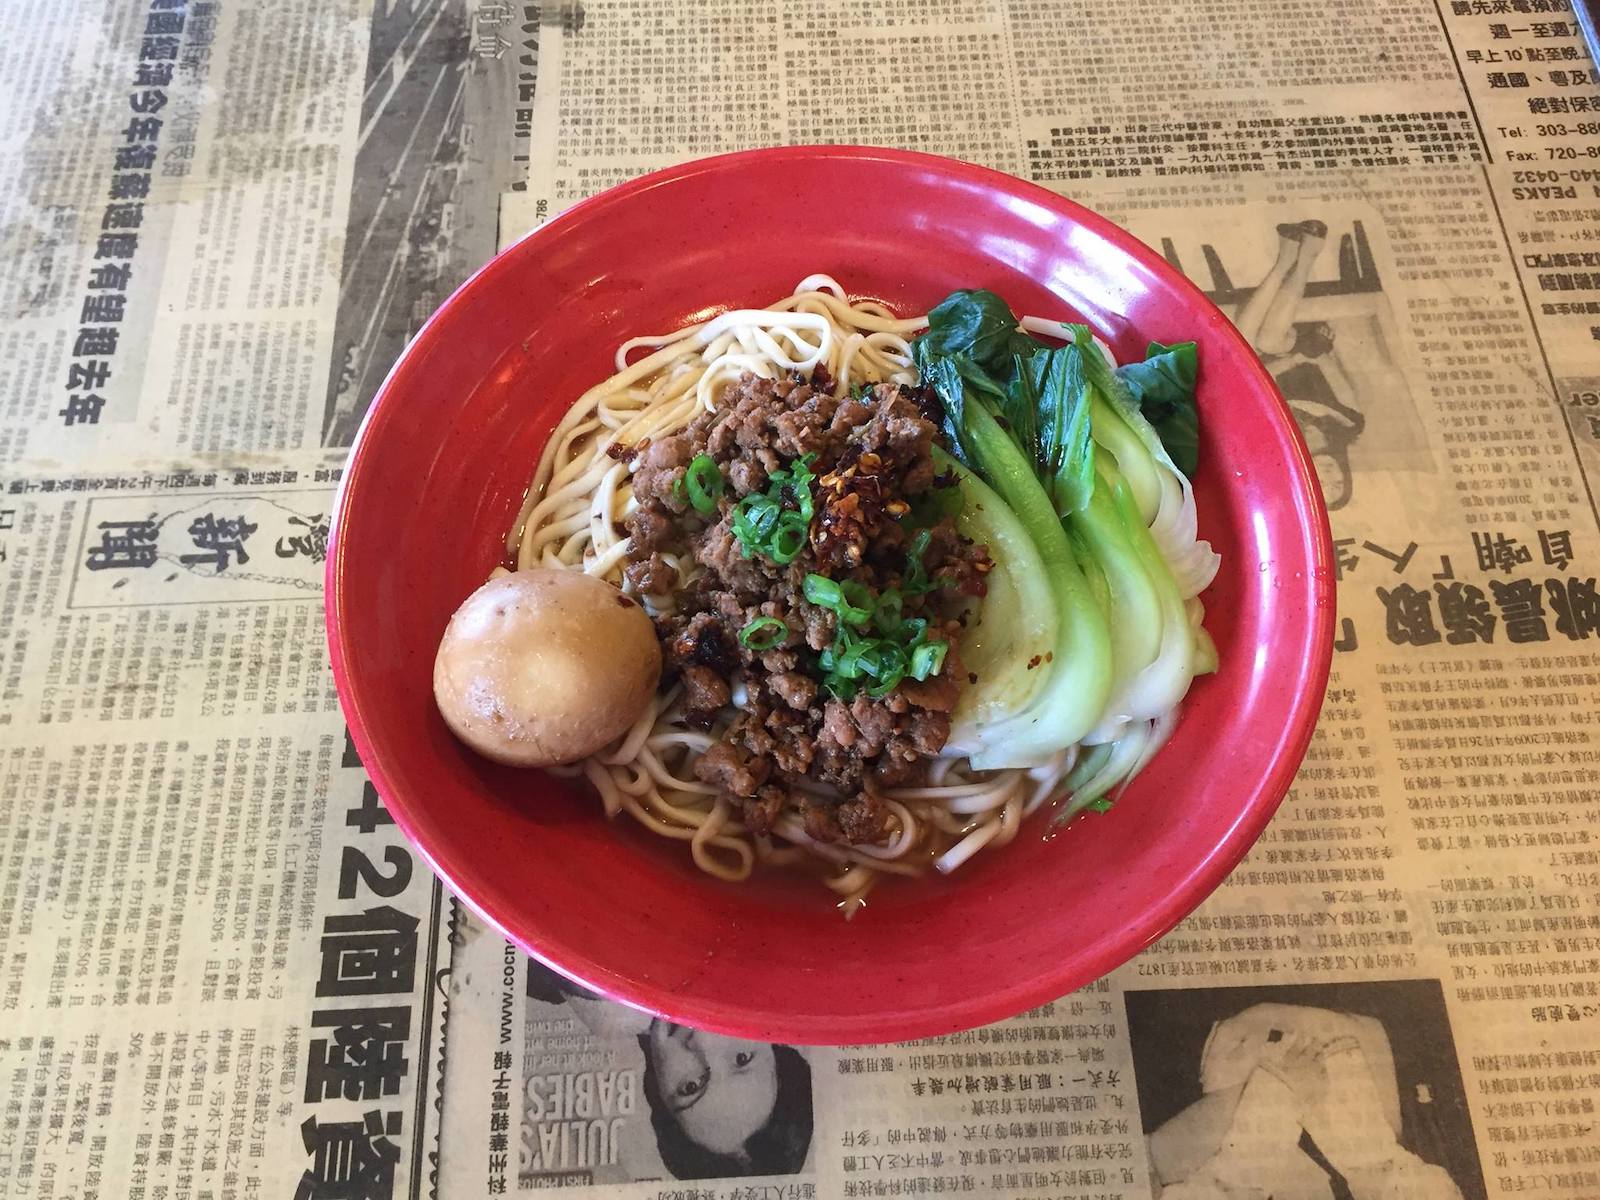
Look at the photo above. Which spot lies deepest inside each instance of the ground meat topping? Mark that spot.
(871, 461)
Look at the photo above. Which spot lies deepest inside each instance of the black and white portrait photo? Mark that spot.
(1346, 1091)
(686, 1104)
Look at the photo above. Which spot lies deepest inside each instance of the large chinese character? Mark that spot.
(1347, 639)
(158, 49)
(1499, 552)
(95, 340)
(136, 157)
(1576, 606)
(130, 185)
(82, 410)
(221, 538)
(103, 308)
(1521, 610)
(116, 245)
(312, 544)
(125, 544)
(129, 215)
(94, 373)
(1556, 547)
(151, 100)
(368, 953)
(1343, 560)
(367, 1058)
(1464, 610)
(111, 276)
(152, 74)
(142, 129)
(1408, 616)
(351, 1160)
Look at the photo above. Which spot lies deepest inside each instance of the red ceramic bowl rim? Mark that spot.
(988, 1006)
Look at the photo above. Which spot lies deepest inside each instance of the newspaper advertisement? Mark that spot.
(223, 971)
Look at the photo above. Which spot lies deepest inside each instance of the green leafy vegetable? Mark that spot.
(1027, 417)
(976, 324)
(1065, 452)
(1163, 387)
(1017, 622)
(953, 377)
(1022, 412)
(1079, 677)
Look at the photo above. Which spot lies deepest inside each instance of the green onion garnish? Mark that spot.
(927, 658)
(916, 581)
(788, 540)
(704, 484)
(858, 602)
(887, 613)
(776, 522)
(822, 591)
(850, 601)
(764, 633)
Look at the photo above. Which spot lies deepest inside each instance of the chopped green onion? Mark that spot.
(754, 518)
(763, 524)
(887, 614)
(879, 690)
(764, 633)
(850, 601)
(916, 581)
(850, 666)
(857, 609)
(884, 660)
(890, 668)
(927, 658)
(800, 484)
(822, 591)
(704, 483)
(788, 540)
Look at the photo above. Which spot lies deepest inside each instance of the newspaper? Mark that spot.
(224, 973)
(221, 965)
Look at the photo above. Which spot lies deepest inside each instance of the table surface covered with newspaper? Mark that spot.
(223, 973)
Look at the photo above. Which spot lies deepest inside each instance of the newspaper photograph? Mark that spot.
(1302, 1089)
(224, 970)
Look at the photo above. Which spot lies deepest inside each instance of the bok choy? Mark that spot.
(1088, 463)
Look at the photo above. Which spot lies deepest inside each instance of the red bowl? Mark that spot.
(445, 453)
